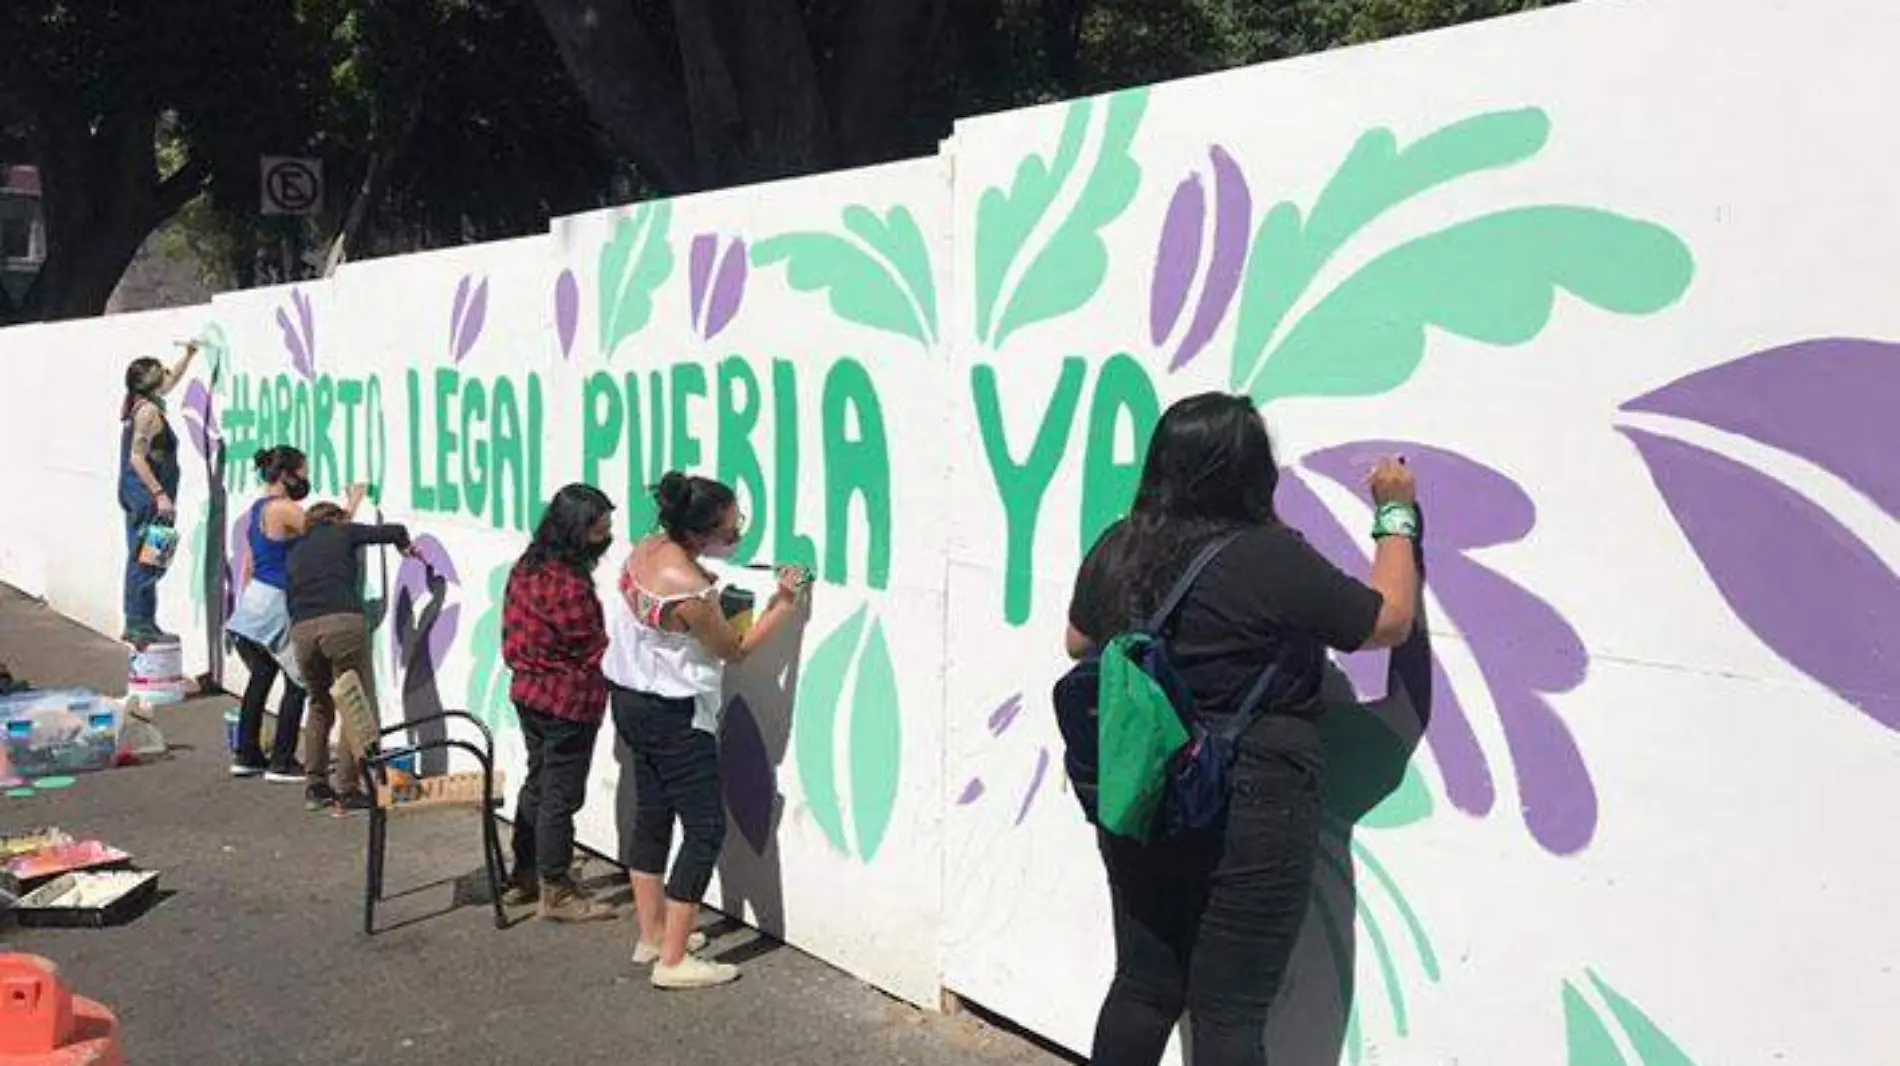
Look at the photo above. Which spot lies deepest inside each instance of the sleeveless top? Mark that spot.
(644, 657)
(270, 559)
(162, 456)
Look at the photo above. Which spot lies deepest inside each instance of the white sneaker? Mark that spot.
(645, 954)
(694, 972)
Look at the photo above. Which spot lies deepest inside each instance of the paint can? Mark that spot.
(155, 673)
(737, 605)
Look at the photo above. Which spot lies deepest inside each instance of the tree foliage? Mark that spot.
(443, 121)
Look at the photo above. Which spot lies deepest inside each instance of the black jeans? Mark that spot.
(264, 673)
(675, 775)
(560, 753)
(1206, 922)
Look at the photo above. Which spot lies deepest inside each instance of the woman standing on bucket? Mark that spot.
(1206, 919)
(148, 484)
(552, 637)
(671, 641)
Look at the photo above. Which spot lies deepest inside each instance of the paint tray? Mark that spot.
(22, 874)
(89, 900)
(26, 841)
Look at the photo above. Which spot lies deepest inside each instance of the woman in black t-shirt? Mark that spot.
(1206, 920)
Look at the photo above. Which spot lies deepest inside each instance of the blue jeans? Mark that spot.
(141, 582)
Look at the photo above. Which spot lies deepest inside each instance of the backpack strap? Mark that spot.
(1249, 708)
(1186, 581)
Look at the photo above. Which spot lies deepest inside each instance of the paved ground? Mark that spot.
(255, 957)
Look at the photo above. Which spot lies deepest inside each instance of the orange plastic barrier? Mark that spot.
(43, 1024)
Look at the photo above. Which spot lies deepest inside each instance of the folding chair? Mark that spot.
(397, 791)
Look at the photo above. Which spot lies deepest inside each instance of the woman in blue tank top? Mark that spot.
(260, 626)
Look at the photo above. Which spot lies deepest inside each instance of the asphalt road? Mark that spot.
(255, 955)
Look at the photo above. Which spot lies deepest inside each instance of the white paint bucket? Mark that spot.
(156, 673)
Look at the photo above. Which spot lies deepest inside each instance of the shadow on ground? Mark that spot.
(256, 958)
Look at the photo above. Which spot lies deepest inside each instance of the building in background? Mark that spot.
(22, 232)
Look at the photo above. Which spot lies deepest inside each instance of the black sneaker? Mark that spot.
(318, 795)
(353, 803)
(285, 773)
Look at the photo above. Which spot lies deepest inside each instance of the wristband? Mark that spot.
(1396, 520)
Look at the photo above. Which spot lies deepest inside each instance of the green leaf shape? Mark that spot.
(1071, 267)
(898, 239)
(820, 688)
(489, 680)
(633, 266)
(1652, 1046)
(1331, 926)
(866, 288)
(1376, 176)
(1370, 778)
(1381, 949)
(1421, 941)
(1005, 220)
(1586, 1036)
(876, 744)
(1492, 279)
(217, 349)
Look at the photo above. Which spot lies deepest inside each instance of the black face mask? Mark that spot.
(297, 488)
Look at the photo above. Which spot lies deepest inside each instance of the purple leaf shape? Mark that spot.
(1177, 258)
(1005, 716)
(567, 310)
(728, 289)
(746, 776)
(473, 321)
(700, 273)
(1795, 576)
(198, 418)
(1523, 647)
(412, 592)
(1824, 400)
(971, 792)
(1035, 785)
(456, 308)
(1461, 763)
(300, 360)
(1233, 216)
(307, 318)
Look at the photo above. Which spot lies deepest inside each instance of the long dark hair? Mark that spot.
(562, 536)
(143, 376)
(691, 507)
(1210, 470)
(274, 463)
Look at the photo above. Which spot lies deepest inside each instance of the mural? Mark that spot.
(1638, 362)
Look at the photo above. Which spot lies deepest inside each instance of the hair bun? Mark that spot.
(264, 460)
(672, 492)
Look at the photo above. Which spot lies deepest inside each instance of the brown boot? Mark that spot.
(563, 902)
(521, 890)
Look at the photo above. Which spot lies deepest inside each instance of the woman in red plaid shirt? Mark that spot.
(553, 637)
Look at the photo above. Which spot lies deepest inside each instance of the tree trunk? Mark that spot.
(884, 57)
(621, 73)
(101, 197)
(1062, 41)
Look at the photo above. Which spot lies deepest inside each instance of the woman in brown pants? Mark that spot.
(331, 638)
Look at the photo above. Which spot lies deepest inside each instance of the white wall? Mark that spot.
(1616, 276)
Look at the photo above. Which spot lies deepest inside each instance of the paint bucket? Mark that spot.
(156, 673)
(737, 605)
